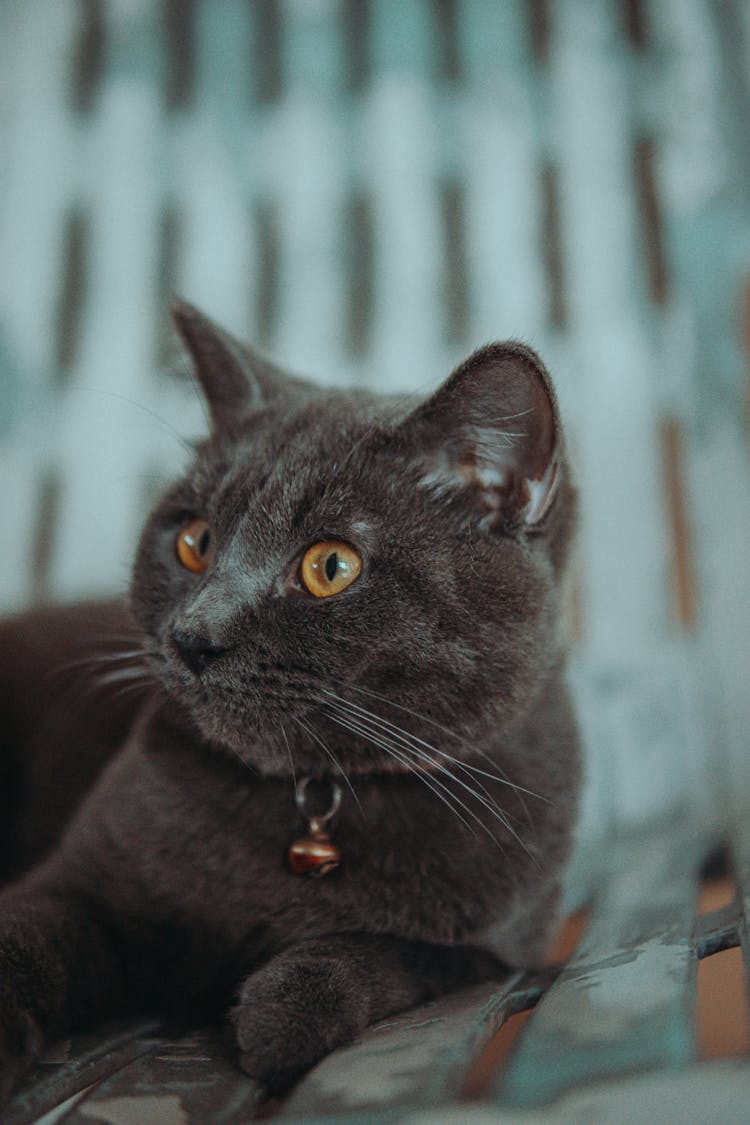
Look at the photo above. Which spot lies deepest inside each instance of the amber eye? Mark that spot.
(195, 546)
(329, 567)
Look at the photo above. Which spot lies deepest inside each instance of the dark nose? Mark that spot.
(196, 651)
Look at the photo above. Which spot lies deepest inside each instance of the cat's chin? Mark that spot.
(246, 741)
(272, 748)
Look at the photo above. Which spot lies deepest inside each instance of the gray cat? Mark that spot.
(353, 763)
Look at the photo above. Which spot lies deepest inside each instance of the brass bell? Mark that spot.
(315, 854)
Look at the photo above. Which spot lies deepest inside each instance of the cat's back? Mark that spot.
(63, 713)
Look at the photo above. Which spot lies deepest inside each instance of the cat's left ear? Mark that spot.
(493, 429)
(233, 378)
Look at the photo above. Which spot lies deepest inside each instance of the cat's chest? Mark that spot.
(210, 846)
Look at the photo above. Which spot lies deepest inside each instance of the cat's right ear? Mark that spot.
(492, 432)
(233, 379)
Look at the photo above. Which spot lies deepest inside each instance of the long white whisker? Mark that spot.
(412, 741)
(400, 756)
(119, 674)
(93, 660)
(510, 417)
(333, 758)
(420, 773)
(428, 778)
(129, 688)
(487, 802)
(405, 739)
(433, 749)
(146, 410)
(291, 759)
(451, 734)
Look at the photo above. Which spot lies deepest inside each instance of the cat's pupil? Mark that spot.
(332, 565)
(204, 541)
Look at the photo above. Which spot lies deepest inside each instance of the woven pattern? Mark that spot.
(370, 190)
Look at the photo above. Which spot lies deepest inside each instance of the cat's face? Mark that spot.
(336, 566)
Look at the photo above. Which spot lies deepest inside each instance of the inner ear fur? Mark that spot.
(493, 429)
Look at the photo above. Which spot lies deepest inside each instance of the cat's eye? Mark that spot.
(329, 567)
(195, 546)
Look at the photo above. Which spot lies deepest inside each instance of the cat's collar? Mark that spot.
(315, 854)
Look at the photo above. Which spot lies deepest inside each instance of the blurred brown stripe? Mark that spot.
(88, 57)
(359, 279)
(538, 16)
(716, 893)
(636, 24)
(746, 343)
(683, 582)
(722, 1023)
(72, 290)
(178, 31)
(455, 267)
(480, 1078)
(169, 241)
(649, 206)
(47, 509)
(356, 17)
(449, 58)
(266, 222)
(569, 937)
(552, 246)
(266, 64)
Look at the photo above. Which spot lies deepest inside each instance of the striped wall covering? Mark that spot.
(369, 189)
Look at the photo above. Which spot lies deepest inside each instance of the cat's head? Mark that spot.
(337, 565)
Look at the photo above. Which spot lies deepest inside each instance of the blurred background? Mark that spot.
(369, 189)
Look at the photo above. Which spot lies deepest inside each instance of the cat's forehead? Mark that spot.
(292, 460)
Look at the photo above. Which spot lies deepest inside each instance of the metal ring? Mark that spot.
(299, 796)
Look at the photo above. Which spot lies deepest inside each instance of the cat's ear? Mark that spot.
(233, 379)
(493, 430)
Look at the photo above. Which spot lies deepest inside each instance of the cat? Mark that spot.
(350, 598)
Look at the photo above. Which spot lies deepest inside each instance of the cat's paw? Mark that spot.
(21, 1043)
(287, 1019)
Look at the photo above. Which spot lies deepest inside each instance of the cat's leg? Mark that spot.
(59, 968)
(321, 994)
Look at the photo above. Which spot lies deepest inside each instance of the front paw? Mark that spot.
(287, 1019)
(21, 1043)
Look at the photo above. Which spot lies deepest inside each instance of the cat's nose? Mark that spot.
(196, 651)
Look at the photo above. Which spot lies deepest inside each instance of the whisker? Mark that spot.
(436, 750)
(125, 689)
(400, 756)
(510, 417)
(93, 660)
(451, 734)
(116, 675)
(103, 636)
(487, 802)
(411, 739)
(248, 765)
(420, 773)
(291, 759)
(333, 758)
(146, 410)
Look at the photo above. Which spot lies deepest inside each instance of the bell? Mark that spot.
(315, 854)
